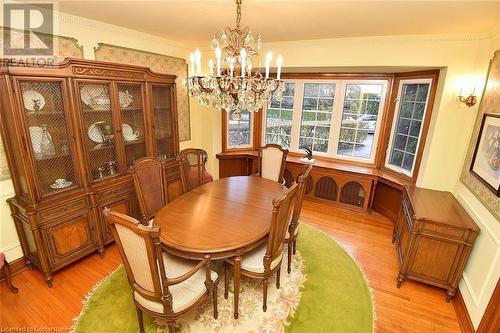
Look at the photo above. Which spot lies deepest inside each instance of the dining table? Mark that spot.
(221, 219)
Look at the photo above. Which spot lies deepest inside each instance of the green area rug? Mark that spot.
(326, 292)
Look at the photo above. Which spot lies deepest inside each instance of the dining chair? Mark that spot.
(147, 174)
(192, 162)
(263, 261)
(292, 232)
(5, 271)
(272, 158)
(163, 286)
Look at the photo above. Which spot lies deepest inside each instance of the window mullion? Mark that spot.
(297, 115)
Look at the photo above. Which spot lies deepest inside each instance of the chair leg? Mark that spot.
(226, 280)
(6, 271)
(140, 319)
(294, 246)
(214, 300)
(264, 285)
(171, 326)
(278, 275)
(289, 259)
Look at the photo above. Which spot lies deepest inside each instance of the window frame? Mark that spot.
(423, 128)
(337, 110)
(254, 142)
(379, 125)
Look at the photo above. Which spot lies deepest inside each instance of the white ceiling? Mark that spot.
(194, 22)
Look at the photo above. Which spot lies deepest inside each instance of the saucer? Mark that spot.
(67, 183)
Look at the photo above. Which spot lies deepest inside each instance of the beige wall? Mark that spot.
(461, 57)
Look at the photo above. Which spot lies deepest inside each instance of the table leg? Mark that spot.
(236, 278)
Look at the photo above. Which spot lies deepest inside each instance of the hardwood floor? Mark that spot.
(366, 237)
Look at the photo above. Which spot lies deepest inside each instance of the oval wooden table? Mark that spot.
(221, 219)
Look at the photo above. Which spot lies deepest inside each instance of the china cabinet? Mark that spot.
(71, 132)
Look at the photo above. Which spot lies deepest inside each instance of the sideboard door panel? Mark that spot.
(69, 238)
(434, 259)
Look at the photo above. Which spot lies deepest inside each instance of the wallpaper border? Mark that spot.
(480, 191)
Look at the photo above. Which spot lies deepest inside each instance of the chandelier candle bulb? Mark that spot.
(218, 54)
(197, 55)
(279, 63)
(231, 69)
(191, 60)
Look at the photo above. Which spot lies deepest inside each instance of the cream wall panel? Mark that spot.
(483, 268)
(9, 242)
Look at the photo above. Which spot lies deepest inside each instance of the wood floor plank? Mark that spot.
(413, 308)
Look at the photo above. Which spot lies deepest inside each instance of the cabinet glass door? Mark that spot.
(47, 125)
(98, 130)
(164, 134)
(130, 101)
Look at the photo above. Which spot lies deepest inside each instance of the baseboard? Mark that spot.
(16, 267)
(462, 314)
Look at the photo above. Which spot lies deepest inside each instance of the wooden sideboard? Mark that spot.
(84, 123)
(434, 237)
(332, 182)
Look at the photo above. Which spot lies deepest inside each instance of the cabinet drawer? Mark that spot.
(69, 240)
(114, 191)
(63, 209)
(443, 231)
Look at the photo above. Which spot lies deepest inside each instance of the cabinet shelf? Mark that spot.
(51, 158)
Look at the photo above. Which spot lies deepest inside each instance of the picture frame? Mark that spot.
(485, 164)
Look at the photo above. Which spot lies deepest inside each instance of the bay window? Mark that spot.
(344, 117)
(337, 118)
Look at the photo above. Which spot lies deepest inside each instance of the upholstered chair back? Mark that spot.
(149, 186)
(272, 162)
(192, 162)
(301, 191)
(139, 247)
(282, 212)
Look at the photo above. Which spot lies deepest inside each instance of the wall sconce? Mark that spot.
(470, 100)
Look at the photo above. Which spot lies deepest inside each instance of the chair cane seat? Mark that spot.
(253, 261)
(184, 294)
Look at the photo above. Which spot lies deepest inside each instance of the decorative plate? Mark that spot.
(95, 133)
(67, 183)
(36, 138)
(125, 98)
(31, 98)
(89, 93)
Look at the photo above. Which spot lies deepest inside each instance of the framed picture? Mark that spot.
(486, 160)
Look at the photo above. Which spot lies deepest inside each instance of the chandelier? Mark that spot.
(231, 84)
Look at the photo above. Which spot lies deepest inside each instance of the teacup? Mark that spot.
(60, 181)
